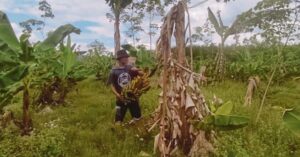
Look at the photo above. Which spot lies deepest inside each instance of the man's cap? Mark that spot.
(121, 54)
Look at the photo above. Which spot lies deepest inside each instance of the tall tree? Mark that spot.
(117, 7)
(31, 24)
(37, 24)
(96, 47)
(153, 9)
(46, 10)
(134, 16)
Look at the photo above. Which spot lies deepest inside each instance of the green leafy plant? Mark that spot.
(222, 118)
(291, 119)
(20, 78)
(98, 65)
(66, 70)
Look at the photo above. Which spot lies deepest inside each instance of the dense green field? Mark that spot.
(211, 57)
(84, 127)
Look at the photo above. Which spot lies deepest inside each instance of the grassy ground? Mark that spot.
(84, 126)
(87, 121)
(267, 138)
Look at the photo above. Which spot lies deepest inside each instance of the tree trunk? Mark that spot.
(150, 29)
(117, 36)
(64, 91)
(180, 38)
(220, 63)
(26, 114)
(185, 142)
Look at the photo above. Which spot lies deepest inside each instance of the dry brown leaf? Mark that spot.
(156, 139)
(189, 102)
(192, 82)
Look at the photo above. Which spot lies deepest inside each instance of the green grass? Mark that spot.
(86, 124)
(267, 138)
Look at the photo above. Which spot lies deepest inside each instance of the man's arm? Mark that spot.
(118, 95)
(114, 90)
(110, 82)
(138, 71)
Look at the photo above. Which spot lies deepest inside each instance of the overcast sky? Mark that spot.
(90, 17)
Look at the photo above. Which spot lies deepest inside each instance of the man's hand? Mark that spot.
(135, 69)
(120, 97)
(139, 71)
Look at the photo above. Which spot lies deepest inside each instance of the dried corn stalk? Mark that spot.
(252, 86)
(181, 101)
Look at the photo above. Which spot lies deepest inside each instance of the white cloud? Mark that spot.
(104, 31)
(73, 11)
(4, 4)
(78, 10)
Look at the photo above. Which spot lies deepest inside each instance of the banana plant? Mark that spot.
(67, 60)
(18, 78)
(19, 60)
(224, 32)
(248, 64)
(66, 70)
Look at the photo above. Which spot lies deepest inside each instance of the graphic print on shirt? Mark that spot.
(124, 79)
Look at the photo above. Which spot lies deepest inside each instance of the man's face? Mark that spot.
(123, 61)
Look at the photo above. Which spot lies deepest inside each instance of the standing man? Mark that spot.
(120, 76)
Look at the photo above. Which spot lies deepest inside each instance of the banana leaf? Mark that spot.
(291, 120)
(7, 59)
(236, 28)
(7, 94)
(230, 121)
(223, 122)
(27, 49)
(225, 109)
(223, 118)
(13, 76)
(212, 18)
(68, 58)
(8, 37)
(57, 37)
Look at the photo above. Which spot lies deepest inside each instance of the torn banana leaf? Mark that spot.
(291, 120)
(13, 76)
(7, 34)
(225, 109)
(230, 121)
